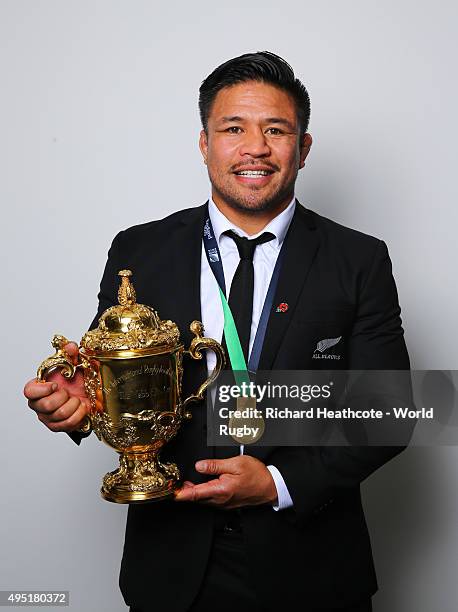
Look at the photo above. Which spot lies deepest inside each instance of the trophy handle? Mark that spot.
(61, 360)
(198, 344)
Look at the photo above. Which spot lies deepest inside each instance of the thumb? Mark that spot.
(71, 348)
(216, 466)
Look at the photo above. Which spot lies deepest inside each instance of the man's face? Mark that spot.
(253, 148)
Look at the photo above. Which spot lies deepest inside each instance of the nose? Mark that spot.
(254, 143)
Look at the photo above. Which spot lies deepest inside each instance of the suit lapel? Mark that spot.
(300, 247)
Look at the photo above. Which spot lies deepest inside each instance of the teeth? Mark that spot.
(253, 173)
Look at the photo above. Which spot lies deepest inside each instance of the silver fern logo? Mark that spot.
(213, 255)
(324, 345)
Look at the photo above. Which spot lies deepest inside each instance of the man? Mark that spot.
(277, 527)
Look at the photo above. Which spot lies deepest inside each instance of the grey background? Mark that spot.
(99, 128)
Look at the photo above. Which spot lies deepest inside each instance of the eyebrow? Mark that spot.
(278, 120)
(231, 119)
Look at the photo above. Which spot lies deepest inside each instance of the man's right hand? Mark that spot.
(61, 404)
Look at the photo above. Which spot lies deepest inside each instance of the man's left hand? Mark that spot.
(242, 481)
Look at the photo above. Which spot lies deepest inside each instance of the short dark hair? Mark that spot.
(262, 66)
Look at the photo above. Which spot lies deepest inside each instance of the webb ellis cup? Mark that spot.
(133, 367)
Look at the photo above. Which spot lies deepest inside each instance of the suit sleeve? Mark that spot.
(316, 476)
(107, 297)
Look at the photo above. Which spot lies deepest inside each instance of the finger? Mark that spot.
(186, 485)
(74, 385)
(65, 411)
(50, 403)
(72, 423)
(71, 348)
(76, 420)
(185, 494)
(34, 390)
(218, 466)
(209, 492)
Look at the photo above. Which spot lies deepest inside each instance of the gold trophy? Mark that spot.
(133, 366)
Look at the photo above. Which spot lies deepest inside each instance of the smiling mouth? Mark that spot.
(254, 173)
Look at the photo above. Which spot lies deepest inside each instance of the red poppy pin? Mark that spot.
(283, 307)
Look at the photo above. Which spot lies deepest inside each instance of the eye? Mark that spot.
(234, 129)
(274, 131)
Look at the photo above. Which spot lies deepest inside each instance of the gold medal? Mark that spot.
(246, 425)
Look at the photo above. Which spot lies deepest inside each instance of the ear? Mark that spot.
(306, 143)
(203, 145)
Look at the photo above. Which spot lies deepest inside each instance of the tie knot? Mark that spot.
(245, 246)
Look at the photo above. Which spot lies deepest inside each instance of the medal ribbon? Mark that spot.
(234, 347)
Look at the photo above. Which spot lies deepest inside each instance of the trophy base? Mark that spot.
(141, 477)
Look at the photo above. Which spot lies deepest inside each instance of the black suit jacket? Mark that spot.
(337, 282)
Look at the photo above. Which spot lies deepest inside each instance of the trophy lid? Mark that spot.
(130, 325)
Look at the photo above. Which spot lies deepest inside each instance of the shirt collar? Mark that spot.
(278, 226)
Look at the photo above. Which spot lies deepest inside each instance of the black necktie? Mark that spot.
(241, 295)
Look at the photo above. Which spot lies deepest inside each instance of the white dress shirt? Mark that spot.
(265, 257)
